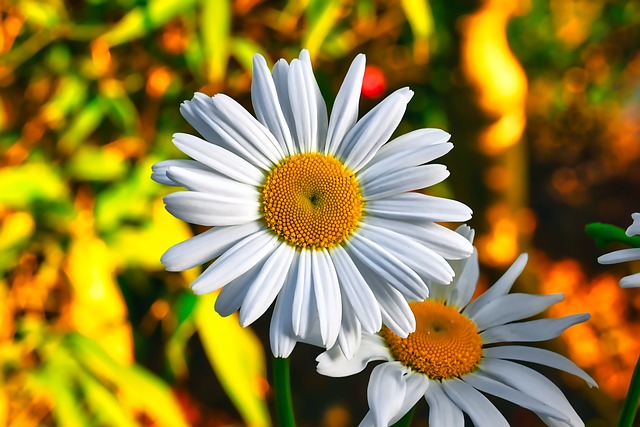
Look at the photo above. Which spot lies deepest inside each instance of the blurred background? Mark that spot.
(542, 98)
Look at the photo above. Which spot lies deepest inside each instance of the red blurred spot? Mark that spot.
(374, 83)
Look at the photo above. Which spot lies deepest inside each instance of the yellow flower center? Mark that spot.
(446, 344)
(312, 200)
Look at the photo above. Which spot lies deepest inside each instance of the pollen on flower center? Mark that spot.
(445, 344)
(312, 200)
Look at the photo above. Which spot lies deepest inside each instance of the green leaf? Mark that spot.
(46, 14)
(70, 95)
(418, 13)
(604, 234)
(82, 125)
(322, 16)
(243, 50)
(31, 182)
(96, 164)
(216, 26)
(237, 358)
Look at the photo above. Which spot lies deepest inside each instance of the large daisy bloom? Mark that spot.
(462, 348)
(317, 214)
(624, 255)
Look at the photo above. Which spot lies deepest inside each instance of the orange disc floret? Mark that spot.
(312, 200)
(445, 344)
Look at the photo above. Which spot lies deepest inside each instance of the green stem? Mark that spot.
(630, 407)
(282, 389)
(406, 420)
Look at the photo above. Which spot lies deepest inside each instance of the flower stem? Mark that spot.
(630, 407)
(406, 420)
(282, 386)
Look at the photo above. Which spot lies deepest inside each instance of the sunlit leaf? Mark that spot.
(215, 26)
(120, 108)
(98, 309)
(238, 359)
(96, 164)
(141, 20)
(322, 16)
(243, 50)
(138, 387)
(15, 229)
(418, 13)
(82, 125)
(23, 185)
(43, 14)
(69, 95)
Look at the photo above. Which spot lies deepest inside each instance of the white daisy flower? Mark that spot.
(315, 213)
(454, 355)
(624, 255)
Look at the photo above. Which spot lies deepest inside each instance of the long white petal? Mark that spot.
(212, 182)
(404, 180)
(418, 208)
(267, 105)
(465, 282)
(219, 159)
(350, 334)
(540, 356)
(426, 262)
(302, 300)
(532, 383)
(631, 281)
(374, 129)
(488, 385)
(159, 170)
(235, 262)
(304, 107)
(344, 113)
(387, 266)
(206, 246)
(534, 330)
(333, 362)
(320, 107)
(512, 307)
(386, 391)
(232, 295)
(281, 335)
(417, 385)
(267, 285)
(447, 243)
(357, 291)
(622, 255)
(210, 209)
(443, 412)
(501, 287)
(479, 408)
(280, 76)
(327, 293)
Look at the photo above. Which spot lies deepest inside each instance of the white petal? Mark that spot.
(267, 285)
(391, 163)
(442, 411)
(206, 246)
(395, 310)
(281, 335)
(232, 295)
(424, 261)
(534, 330)
(350, 334)
(634, 229)
(532, 383)
(212, 182)
(344, 113)
(280, 76)
(488, 385)
(333, 362)
(511, 307)
(235, 121)
(267, 105)
(374, 129)
(622, 255)
(404, 180)
(465, 282)
(418, 207)
(356, 291)
(417, 385)
(302, 300)
(411, 149)
(200, 120)
(327, 293)
(479, 408)
(540, 356)
(210, 209)
(445, 242)
(632, 281)
(386, 392)
(159, 170)
(235, 262)
(501, 287)
(387, 266)
(321, 107)
(218, 159)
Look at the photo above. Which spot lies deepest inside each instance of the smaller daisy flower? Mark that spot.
(624, 255)
(453, 355)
